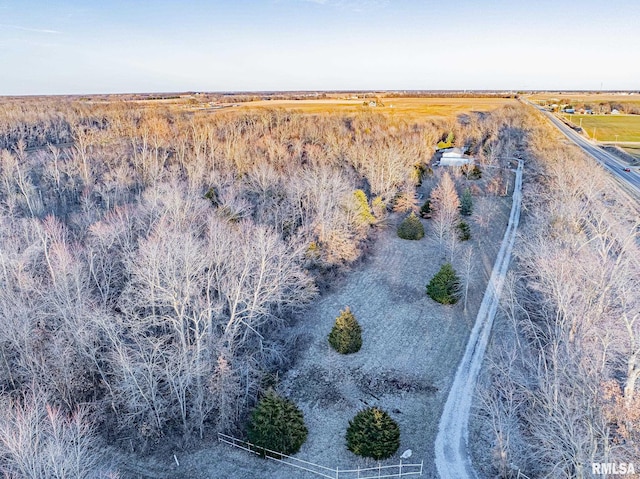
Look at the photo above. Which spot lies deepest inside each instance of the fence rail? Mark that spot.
(379, 472)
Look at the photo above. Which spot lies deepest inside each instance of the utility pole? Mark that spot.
(616, 139)
(594, 134)
(580, 122)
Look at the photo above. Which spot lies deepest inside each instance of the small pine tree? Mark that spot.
(372, 433)
(466, 203)
(444, 286)
(411, 228)
(277, 424)
(346, 335)
(464, 232)
(425, 209)
(362, 209)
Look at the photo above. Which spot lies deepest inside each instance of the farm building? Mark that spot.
(455, 157)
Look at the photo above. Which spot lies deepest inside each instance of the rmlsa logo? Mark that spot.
(612, 468)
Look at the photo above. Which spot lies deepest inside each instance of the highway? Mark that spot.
(628, 180)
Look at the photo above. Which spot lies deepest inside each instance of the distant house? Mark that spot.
(570, 110)
(373, 103)
(615, 111)
(588, 111)
(455, 157)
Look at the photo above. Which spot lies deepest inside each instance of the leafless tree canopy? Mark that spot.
(561, 388)
(152, 259)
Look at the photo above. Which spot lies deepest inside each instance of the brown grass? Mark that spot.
(413, 109)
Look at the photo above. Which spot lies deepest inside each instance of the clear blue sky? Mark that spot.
(103, 46)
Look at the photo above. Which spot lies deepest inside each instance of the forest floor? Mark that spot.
(411, 349)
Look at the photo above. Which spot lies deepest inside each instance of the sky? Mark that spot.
(122, 46)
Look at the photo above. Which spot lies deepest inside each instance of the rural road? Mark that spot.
(630, 181)
(452, 455)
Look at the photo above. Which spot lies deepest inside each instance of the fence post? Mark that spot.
(400, 469)
(379, 469)
(337, 473)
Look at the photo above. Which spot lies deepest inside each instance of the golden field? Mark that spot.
(412, 109)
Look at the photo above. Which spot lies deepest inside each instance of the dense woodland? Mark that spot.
(152, 261)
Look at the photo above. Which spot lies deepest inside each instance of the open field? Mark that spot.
(626, 127)
(411, 109)
(585, 97)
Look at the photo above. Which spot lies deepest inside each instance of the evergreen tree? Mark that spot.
(372, 433)
(277, 424)
(411, 228)
(425, 209)
(464, 231)
(443, 287)
(363, 212)
(346, 335)
(466, 203)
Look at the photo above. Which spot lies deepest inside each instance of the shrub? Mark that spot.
(346, 335)
(464, 232)
(277, 424)
(411, 228)
(417, 173)
(472, 172)
(446, 143)
(372, 433)
(379, 207)
(443, 287)
(425, 209)
(212, 195)
(466, 203)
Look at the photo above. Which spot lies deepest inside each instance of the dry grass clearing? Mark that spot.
(622, 128)
(410, 109)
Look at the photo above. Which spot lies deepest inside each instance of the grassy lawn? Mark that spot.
(415, 109)
(627, 127)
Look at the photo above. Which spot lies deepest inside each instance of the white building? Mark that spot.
(455, 157)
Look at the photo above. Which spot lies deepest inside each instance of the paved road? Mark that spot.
(452, 455)
(630, 181)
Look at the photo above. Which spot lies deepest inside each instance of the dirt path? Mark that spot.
(452, 454)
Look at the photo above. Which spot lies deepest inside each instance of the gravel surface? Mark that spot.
(452, 452)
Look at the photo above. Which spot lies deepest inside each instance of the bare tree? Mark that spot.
(445, 204)
(38, 440)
